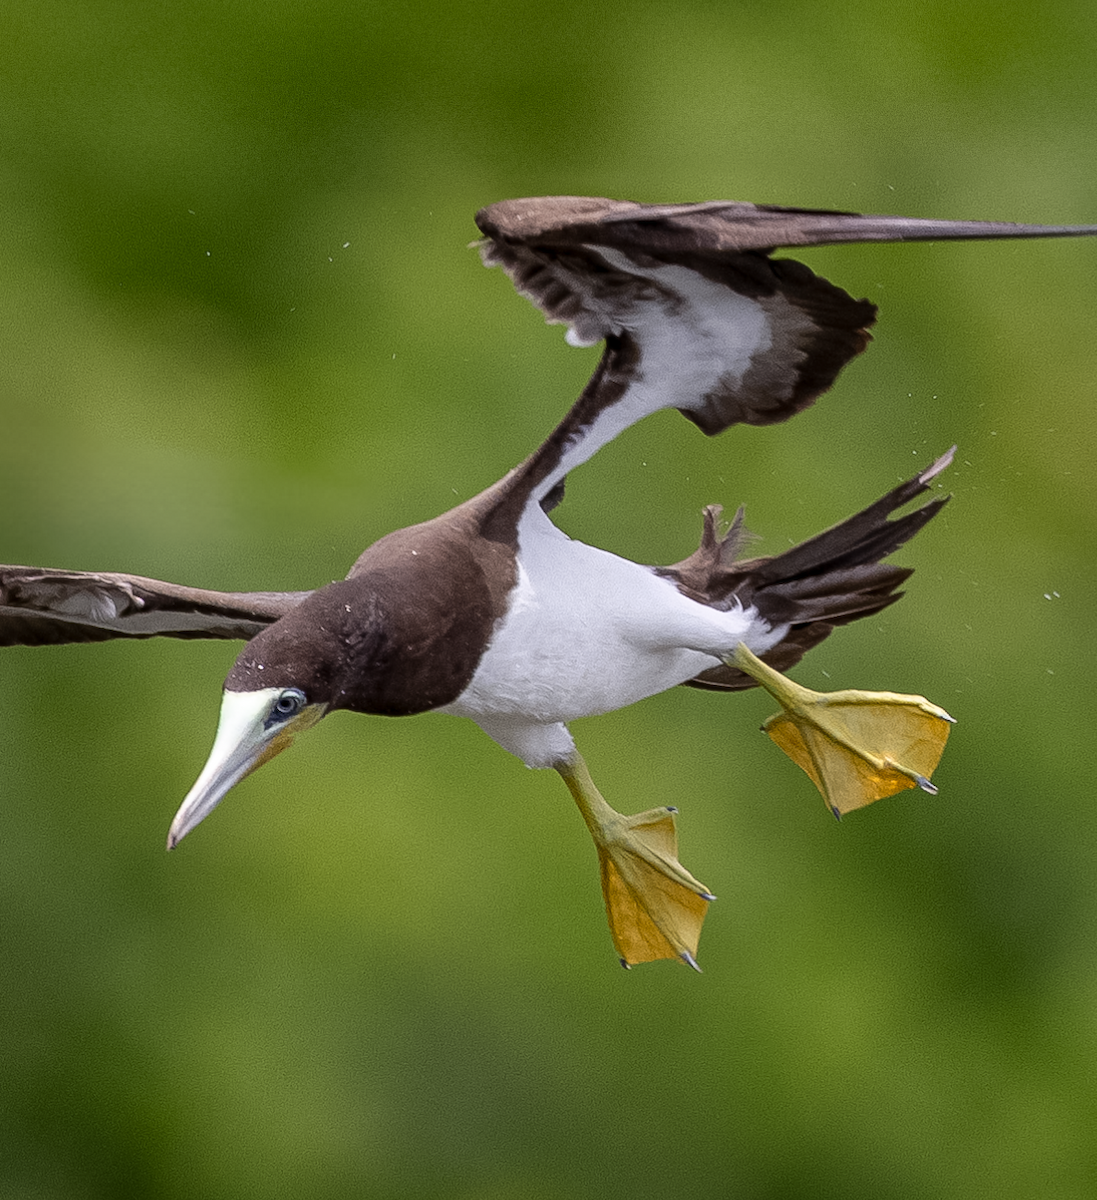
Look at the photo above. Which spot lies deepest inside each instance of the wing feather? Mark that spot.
(725, 338)
(40, 606)
(695, 313)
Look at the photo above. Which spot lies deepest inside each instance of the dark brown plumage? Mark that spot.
(829, 580)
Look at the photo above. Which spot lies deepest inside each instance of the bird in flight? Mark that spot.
(489, 611)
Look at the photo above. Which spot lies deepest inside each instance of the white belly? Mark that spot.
(588, 632)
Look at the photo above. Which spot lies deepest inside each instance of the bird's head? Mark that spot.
(253, 728)
(285, 679)
(374, 643)
(272, 693)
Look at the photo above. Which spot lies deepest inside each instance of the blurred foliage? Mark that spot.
(241, 335)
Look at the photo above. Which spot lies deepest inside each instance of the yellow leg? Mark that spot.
(856, 746)
(655, 906)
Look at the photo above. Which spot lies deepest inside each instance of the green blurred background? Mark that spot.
(243, 335)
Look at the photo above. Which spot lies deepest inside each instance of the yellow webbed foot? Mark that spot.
(655, 906)
(855, 746)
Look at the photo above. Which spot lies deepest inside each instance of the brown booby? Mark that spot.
(490, 612)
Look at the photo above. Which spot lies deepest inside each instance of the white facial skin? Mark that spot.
(253, 728)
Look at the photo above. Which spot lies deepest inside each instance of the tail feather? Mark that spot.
(829, 580)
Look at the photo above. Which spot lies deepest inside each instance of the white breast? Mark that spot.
(588, 632)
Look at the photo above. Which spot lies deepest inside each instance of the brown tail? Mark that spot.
(829, 580)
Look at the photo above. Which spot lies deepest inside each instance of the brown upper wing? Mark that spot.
(40, 606)
(693, 285)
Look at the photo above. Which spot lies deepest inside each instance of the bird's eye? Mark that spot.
(289, 703)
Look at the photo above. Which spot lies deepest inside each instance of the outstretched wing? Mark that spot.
(695, 314)
(40, 607)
